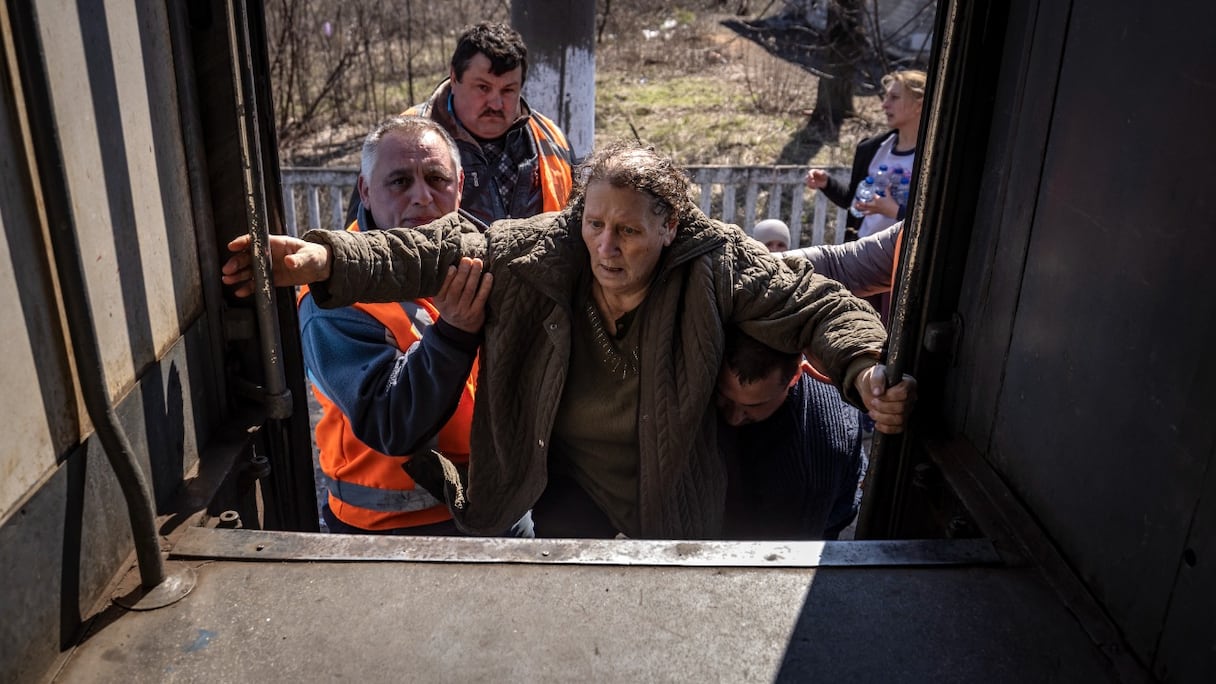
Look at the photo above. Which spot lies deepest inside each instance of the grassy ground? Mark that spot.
(706, 95)
(695, 90)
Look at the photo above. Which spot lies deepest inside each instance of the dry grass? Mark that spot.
(695, 90)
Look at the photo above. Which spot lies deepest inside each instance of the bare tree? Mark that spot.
(846, 44)
(345, 64)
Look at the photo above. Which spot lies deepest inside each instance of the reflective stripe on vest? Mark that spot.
(381, 500)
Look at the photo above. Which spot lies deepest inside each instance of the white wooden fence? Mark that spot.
(735, 194)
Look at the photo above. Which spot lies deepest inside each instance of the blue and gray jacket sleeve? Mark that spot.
(396, 401)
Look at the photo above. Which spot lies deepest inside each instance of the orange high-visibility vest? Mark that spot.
(556, 178)
(369, 489)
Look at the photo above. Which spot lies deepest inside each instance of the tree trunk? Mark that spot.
(845, 46)
(561, 70)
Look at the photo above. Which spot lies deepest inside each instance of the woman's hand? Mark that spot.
(292, 261)
(879, 205)
(889, 407)
(816, 179)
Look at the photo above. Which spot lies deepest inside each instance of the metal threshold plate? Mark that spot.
(249, 545)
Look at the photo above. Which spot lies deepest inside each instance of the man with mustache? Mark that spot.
(517, 162)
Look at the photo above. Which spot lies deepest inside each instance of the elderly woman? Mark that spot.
(603, 337)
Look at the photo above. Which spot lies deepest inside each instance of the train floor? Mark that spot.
(279, 606)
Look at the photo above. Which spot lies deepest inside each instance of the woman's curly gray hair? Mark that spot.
(631, 166)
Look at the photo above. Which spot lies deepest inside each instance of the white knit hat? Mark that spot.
(772, 229)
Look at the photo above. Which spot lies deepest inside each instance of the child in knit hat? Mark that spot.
(773, 233)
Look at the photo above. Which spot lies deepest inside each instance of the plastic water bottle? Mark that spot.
(882, 179)
(897, 175)
(899, 185)
(865, 193)
(900, 194)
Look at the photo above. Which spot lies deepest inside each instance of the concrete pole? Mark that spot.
(561, 64)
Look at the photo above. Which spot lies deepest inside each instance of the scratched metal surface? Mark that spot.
(447, 621)
(263, 545)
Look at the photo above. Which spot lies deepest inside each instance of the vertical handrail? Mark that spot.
(773, 210)
(749, 204)
(796, 201)
(728, 203)
(336, 215)
(820, 221)
(277, 397)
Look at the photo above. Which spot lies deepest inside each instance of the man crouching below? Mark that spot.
(793, 446)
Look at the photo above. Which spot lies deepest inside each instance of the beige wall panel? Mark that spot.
(37, 397)
(115, 104)
(72, 95)
(27, 452)
(160, 194)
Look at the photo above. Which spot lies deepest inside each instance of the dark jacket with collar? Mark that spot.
(544, 178)
(710, 276)
(545, 173)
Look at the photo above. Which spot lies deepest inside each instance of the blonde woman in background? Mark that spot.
(904, 96)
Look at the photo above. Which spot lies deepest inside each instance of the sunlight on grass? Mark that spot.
(694, 90)
(693, 118)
